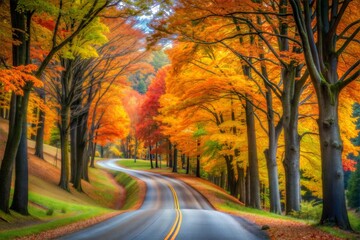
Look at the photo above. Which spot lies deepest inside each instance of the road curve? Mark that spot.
(171, 210)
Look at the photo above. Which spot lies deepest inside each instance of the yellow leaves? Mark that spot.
(115, 151)
(84, 45)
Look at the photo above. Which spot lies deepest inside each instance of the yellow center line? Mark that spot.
(176, 226)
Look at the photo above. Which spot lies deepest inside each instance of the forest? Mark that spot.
(261, 97)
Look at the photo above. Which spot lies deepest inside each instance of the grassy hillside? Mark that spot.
(51, 207)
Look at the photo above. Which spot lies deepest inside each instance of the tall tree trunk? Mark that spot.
(170, 155)
(73, 149)
(270, 156)
(21, 190)
(188, 165)
(230, 175)
(223, 180)
(81, 129)
(101, 151)
(151, 158)
(156, 156)
(248, 190)
(34, 125)
(334, 204)
(175, 160)
(183, 160)
(39, 145)
(7, 163)
(93, 152)
(64, 141)
(136, 149)
(197, 172)
(290, 103)
(85, 169)
(252, 156)
(241, 184)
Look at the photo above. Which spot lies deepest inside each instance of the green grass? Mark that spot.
(145, 165)
(63, 213)
(131, 187)
(354, 221)
(139, 164)
(100, 182)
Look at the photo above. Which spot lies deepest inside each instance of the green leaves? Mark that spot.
(39, 6)
(84, 45)
(200, 131)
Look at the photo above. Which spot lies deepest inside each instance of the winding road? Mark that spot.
(171, 210)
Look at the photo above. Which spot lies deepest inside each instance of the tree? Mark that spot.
(148, 128)
(18, 124)
(323, 56)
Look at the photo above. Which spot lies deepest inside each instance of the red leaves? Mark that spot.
(349, 164)
(45, 22)
(148, 127)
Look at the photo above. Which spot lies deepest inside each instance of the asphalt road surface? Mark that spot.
(171, 210)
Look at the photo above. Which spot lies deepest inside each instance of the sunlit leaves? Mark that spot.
(15, 78)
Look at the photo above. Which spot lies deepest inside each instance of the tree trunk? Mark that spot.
(21, 190)
(156, 156)
(334, 204)
(223, 180)
(73, 149)
(248, 190)
(183, 160)
(151, 159)
(252, 156)
(290, 103)
(197, 172)
(270, 156)
(93, 152)
(170, 155)
(86, 159)
(39, 145)
(64, 141)
(12, 145)
(241, 184)
(231, 187)
(175, 160)
(188, 165)
(136, 149)
(101, 151)
(81, 129)
(34, 125)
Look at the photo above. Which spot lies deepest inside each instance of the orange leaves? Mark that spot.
(16, 78)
